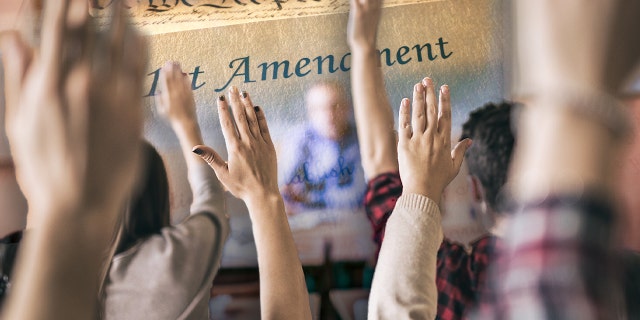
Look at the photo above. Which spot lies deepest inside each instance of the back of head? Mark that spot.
(490, 155)
(148, 210)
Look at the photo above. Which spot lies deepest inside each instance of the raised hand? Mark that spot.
(251, 175)
(373, 113)
(251, 172)
(74, 116)
(427, 163)
(362, 29)
(175, 101)
(74, 122)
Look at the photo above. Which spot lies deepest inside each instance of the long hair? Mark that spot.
(148, 210)
(146, 213)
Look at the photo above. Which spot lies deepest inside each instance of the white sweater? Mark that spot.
(404, 283)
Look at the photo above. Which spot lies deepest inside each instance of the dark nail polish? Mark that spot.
(221, 97)
(198, 151)
(256, 108)
(244, 94)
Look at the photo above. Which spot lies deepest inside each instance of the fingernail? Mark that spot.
(221, 97)
(184, 74)
(469, 143)
(444, 89)
(198, 151)
(256, 108)
(419, 87)
(428, 82)
(233, 89)
(244, 94)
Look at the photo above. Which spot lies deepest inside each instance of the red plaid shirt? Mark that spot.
(461, 275)
(556, 262)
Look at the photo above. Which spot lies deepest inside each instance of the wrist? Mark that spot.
(256, 199)
(431, 193)
(186, 123)
(265, 203)
(364, 50)
(188, 132)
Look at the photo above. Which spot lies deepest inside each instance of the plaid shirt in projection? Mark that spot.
(461, 276)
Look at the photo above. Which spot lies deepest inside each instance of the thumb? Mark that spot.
(213, 159)
(457, 154)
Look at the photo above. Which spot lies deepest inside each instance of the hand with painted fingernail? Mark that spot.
(251, 175)
(251, 171)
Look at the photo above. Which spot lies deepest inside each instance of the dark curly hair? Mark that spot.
(488, 159)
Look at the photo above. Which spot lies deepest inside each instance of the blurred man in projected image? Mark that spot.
(320, 164)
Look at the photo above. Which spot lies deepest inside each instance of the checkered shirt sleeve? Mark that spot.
(380, 199)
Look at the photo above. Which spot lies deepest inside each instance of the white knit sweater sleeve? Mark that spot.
(404, 283)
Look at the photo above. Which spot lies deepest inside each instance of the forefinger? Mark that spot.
(404, 121)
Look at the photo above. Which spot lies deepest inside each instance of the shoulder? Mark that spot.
(196, 235)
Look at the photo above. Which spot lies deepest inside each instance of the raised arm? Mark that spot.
(75, 130)
(251, 175)
(565, 161)
(176, 104)
(373, 113)
(404, 283)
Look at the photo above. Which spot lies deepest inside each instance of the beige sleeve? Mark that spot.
(404, 283)
(208, 193)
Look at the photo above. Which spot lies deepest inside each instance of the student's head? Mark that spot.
(488, 158)
(328, 110)
(148, 210)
